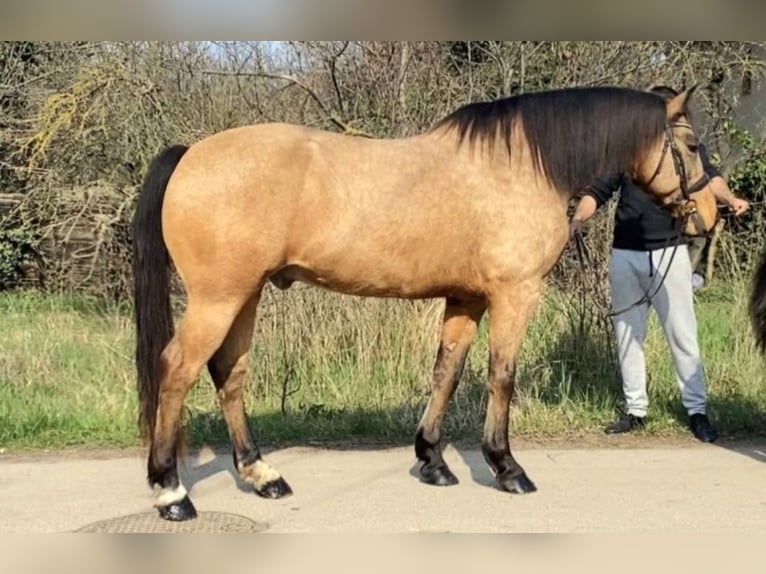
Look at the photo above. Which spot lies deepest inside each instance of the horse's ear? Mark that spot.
(679, 105)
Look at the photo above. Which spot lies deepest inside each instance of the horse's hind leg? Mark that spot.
(458, 330)
(228, 369)
(200, 332)
(509, 314)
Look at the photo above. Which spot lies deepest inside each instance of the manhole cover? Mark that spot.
(151, 523)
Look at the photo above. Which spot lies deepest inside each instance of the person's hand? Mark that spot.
(739, 206)
(575, 226)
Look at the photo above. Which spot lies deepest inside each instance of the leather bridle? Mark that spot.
(685, 206)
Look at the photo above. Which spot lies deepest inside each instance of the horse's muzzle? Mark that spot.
(686, 210)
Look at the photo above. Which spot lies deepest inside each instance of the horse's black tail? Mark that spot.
(151, 276)
(757, 305)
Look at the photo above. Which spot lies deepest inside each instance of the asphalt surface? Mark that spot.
(684, 488)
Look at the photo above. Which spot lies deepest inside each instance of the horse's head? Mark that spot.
(673, 173)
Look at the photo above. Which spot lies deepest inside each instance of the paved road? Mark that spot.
(693, 487)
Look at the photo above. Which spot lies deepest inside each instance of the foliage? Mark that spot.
(748, 178)
(88, 116)
(16, 248)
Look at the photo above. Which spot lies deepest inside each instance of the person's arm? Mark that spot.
(591, 200)
(725, 195)
(719, 186)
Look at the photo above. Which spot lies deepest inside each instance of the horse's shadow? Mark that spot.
(205, 459)
(477, 466)
(739, 418)
(192, 471)
(195, 470)
(471, 458)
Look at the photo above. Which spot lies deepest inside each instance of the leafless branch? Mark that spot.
(329, 114)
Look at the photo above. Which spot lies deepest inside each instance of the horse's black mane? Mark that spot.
(577, 134)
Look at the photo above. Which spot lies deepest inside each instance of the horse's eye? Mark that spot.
(693, 148)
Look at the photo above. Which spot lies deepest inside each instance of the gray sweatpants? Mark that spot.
(631, 273)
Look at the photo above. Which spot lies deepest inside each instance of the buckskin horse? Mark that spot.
(472, 210)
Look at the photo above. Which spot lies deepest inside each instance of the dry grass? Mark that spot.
(330, 368)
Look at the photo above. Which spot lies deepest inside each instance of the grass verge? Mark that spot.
(328, 368)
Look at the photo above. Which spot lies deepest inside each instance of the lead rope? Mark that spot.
(582, 254)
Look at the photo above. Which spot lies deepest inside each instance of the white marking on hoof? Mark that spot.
(259, 474)
(168, 496)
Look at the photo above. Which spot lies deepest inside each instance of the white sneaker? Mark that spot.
(697, 281)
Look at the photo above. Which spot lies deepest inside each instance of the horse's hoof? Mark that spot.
(518, 484)
(437, 475)
(178, 511)
(274, 489)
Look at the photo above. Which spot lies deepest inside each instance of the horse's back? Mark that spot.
(402, 217)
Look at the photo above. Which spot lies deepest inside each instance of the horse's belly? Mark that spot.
(380, 281)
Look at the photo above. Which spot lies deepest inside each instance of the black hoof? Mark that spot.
(518, 484)
(275, 489)
(178, 511)
(437, 475)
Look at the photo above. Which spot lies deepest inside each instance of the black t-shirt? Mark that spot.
(640, 223)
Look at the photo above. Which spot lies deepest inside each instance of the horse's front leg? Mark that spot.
(509, 312)
(458, 330)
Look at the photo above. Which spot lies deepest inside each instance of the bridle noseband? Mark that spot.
(686, 206)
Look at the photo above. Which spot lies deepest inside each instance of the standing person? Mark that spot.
(644, 236)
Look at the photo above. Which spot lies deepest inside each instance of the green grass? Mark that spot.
(328, 368)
